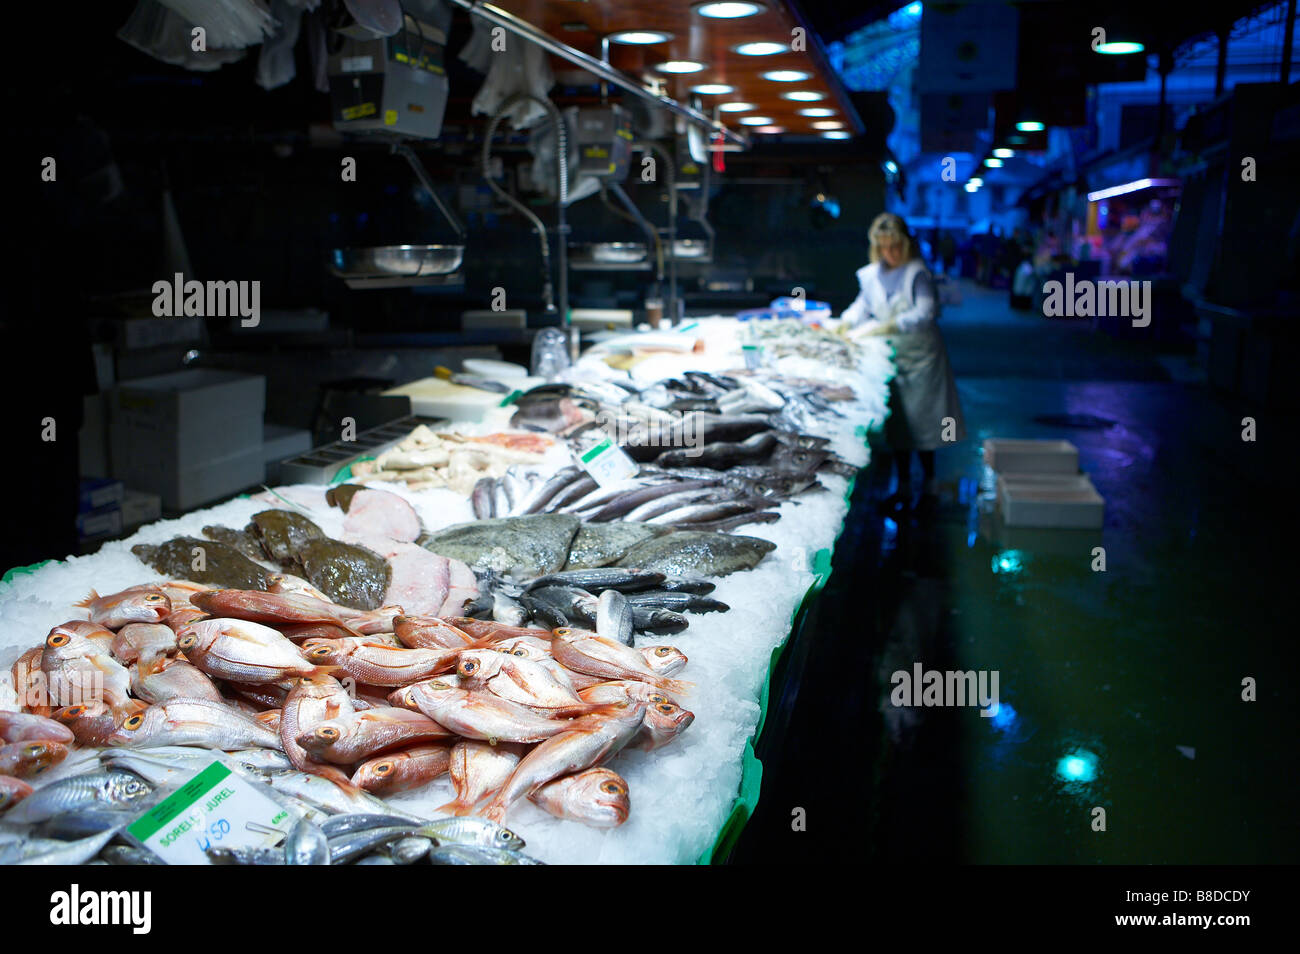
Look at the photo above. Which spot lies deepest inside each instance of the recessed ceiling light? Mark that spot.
(713, 89)
(828, 124)
(680, 66)
(761, 48)
(1120, 48)
(976, 181)
(971, 187)
(728, 9)
(993, 163)
(804, 96)
(1031, 125)
(1004, 153)
(755, 120)
(735, 107)
(771, 130)
(639, 37)
(817, 111)
(836, 135)
(786, 76)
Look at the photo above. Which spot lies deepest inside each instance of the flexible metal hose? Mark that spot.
(562, 169)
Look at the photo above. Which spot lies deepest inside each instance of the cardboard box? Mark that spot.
(140, 508)
(99, 493)
(106, 522)
(1066, 502)
(190, 436)
(1008, 456)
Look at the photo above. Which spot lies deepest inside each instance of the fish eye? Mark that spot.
(612, 788)
(383, 768)
(32, 751)
(57, 639)
(663, 651)
(134, 722)
(666, 707)
(562, 632)
(154, 598)
(320, 652)
(187, 642)
(517, 652)
(327, 732)
(469, 665)
(72, 712)
(506, 835)
(658, 698)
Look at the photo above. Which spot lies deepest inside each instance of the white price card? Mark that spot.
(216, 808)
(607, 463)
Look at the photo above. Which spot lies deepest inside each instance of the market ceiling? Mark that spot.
(692, 36)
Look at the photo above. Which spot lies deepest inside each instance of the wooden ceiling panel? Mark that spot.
(698, 38)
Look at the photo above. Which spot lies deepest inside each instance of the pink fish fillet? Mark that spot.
(462, 586)
(378, 513)
(420, 578)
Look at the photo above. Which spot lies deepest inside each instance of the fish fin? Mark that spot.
(88, 600)
(678, 686)
(323, 671)
(456, 806)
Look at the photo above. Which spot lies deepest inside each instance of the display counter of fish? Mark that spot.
(332, 707)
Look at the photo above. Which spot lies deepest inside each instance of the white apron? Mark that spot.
(923, 393)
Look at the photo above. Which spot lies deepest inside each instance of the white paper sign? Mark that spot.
(607, 463)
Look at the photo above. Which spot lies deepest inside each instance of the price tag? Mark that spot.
(753, 356)
(216, 808)
(607, 463)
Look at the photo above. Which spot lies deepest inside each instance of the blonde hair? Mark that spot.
(887, 225)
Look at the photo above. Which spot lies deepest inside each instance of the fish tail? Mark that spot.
(88, 600)
(457, 806)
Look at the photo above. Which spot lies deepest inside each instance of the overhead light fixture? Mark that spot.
(971, 187)
(1004, 153)
(713, 89)
(804, 96)
(828, 124)
(1127, 187)
(755, 120)
(770, 130)
(1120, 48)
(728, 9)
(976, 181)
(817, 111)
(736, 107)
(993, 163)
(786, 76)
(761, 48)
(639, 37)
(680, 66)
(836, 135)
(1031, 125)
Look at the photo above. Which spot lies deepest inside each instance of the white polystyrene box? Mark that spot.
(1012, 456)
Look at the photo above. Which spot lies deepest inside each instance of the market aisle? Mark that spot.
(1136, 670)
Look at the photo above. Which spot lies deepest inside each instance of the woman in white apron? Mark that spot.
(898, 300)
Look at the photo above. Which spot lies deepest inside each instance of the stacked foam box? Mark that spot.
(99, 509)
(1040, 485)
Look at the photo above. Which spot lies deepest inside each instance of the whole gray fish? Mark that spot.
(477, 855)
(614, 617)
(596, 580)
(378, 858)
(482, 498)
(71, 852)
(678, 602)
(73, 825)
(323, 793)
(688, 552)
(661, 622)
(407, 851)
(352, 845)
(538, 543)
(112, 788)
(306, 845)
(469, 830)
(570, 601)
(629, 501)
(603, 544)
(129, 855)
(246, 856)
(346, 824)
(543, 495)
(687, 584)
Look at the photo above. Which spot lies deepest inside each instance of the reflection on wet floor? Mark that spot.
(1121, 688)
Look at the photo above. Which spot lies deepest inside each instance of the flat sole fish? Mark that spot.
(538, 544)
(690, 552)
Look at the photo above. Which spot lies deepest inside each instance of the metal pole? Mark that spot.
(595, 67)
(1221, 65)
(407, 153)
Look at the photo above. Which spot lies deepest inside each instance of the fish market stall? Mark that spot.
(560, 616)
